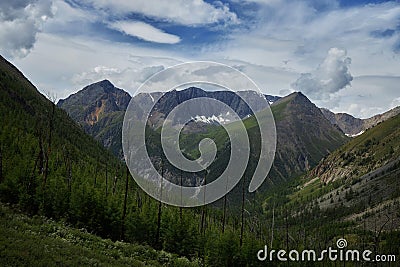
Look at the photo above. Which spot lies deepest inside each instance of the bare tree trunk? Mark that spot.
(158, 223)
(224, 215)
(287, 230)
(124, 208)
(38, 161)
(159, 209)
(364, 234)
(203, 211)
(106, 179)
(180, 208)
(1, 163)
(95, 173)
(304, 235)
(115, 179)
(242, 211)
(68, 169)
(45, 172)
(46, 168)
(69, 175)
(138, 200)
(203, 214)
(41, 155)
(377, 236)
(34, 170)
(272, 226)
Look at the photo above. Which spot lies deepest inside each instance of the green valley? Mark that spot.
(67, 200)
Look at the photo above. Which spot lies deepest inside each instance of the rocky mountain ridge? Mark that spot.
(304, 135)
(352, 126)
(100, 108)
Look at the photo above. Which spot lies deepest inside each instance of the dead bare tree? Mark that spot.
(180, 208)
(160, 207)
(224, 215)
(115, 180)
(378, 234)
(34, 170)
(272, 226)
(52, 99)
(242, 210)
(1, 162)
(95, 173)
(224, 208)
(124, 208)
(287, 229)
(203, 211)
(41, 155)
(106, 179)
(68, 169)
(39, 159)
(138, 200)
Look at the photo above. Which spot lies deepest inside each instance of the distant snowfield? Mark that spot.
(355, 135)
(212, 119)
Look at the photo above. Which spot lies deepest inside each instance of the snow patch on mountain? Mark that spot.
(220, 119)
(152, 98)
(354, 135)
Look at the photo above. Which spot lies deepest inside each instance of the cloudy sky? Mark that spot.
(344, 55)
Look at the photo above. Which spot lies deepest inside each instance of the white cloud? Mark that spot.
(395, 102)
(270, 80)
(144, 31)
(20, 21)
(128, 78)
(67, 17)
(330, 76)
(282, 39)
(187, 12)
(66, 72)
(295, 31)
(368, 96)
(314, 3)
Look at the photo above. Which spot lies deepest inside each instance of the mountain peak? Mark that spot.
(105, 83)
(99, 90)
(104, 86)
(304, 135)
(299, 95)
(354, 126)
(193, 89)
(192, 92)
(95, 103)
(295, 97)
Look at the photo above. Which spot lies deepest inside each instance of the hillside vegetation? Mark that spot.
(49, 167)
(71, 202)
(354, 192)
(39, 241)
(373, 149)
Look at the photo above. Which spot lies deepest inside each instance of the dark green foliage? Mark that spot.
(75, 194)
(39, 241)
(223, 250)
(180, 235)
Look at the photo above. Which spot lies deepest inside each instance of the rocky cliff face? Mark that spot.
(371, 122)
(94, 101)
(352, 126)
(99, 108)
(347, 123)
(375, 148)
(304, 135)
(208, 111)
